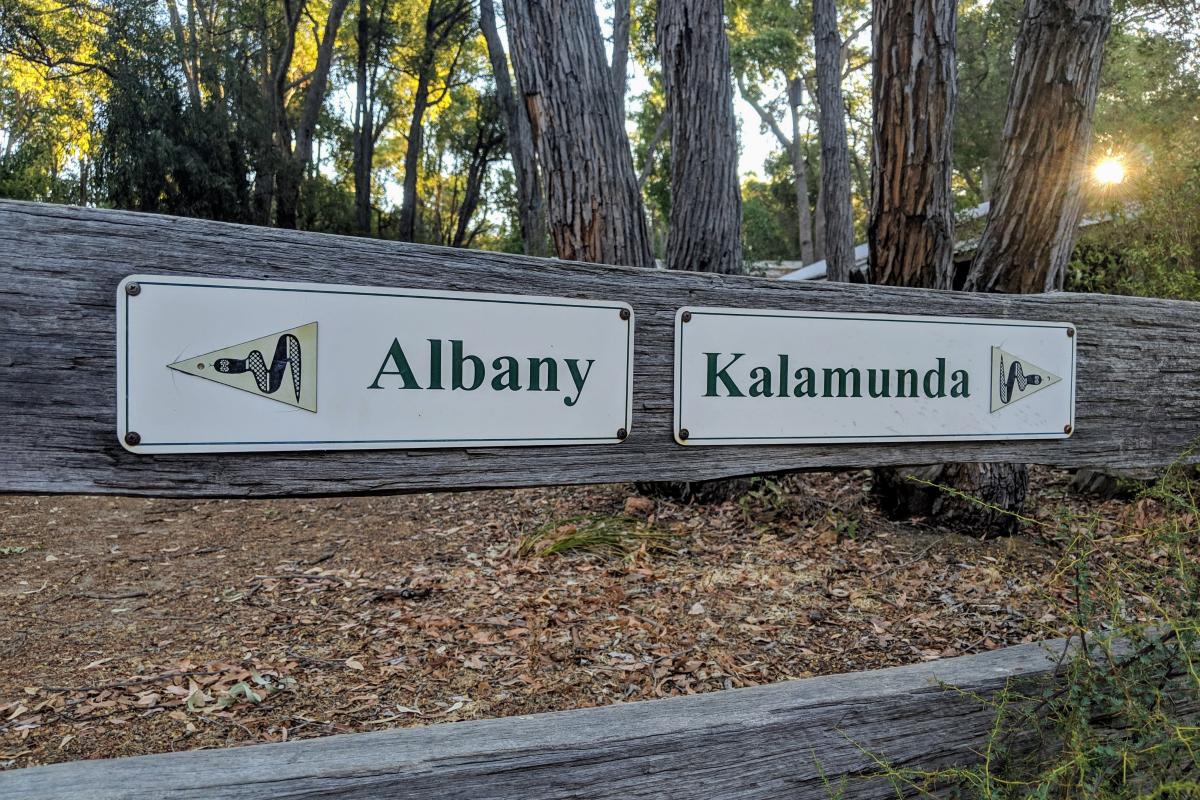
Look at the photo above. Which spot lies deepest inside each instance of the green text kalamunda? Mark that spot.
(728, 376)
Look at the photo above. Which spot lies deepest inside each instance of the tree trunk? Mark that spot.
(838, 221)
(531, 205)
(819, 222)
(594, 207)
(442, 20)
(911, 237)
(998, 490)
(488, 139)
(911, 229)
(706, 208)
(291, 175)
(620, 50)
(1047, 131)
(1030, 231)
(705, 232)
(363, 119)
(412, 151)
(804, 220)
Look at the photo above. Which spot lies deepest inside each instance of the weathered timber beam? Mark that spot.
(798, 739)
(1138, 400)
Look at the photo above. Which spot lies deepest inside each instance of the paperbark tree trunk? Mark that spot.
(594, 208)
(837, 220)
(705, 233)
(706, 208)
(1031, 228)
(531, 203)
(911, 229)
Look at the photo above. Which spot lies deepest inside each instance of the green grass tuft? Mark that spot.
(611, 535)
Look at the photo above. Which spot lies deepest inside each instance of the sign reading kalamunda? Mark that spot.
(231, 365)
(745, 376)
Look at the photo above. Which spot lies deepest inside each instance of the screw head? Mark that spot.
(625, 313)
(133, 289)
(1070, 333)
(687, 316)
(133, 438)
(1067, 428)
(622, 433)
(683, 433)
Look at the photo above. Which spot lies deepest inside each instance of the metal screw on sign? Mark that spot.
(687, 317)
(622, 433)
(133, 438)
(1067, 429)
(1070, 333)
(624, 313)
(683, 433)
(133, 289)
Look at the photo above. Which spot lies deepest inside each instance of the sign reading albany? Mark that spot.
(744, 376)
(229, 365)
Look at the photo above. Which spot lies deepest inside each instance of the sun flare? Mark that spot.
(1109, 171)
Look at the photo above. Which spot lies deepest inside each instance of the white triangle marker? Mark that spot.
(1015, 378)
(280, 366)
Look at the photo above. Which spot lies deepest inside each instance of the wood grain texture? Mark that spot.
(777, 741)
(1138, 402)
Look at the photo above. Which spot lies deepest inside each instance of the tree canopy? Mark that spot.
(385, 118)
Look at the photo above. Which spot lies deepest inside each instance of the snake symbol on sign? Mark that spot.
(245, 367)
(1016, 377)
(268, 379)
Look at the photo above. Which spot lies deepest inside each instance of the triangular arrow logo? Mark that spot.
(281, 366)
(1015, 378)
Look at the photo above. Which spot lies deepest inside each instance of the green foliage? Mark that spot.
(768, 225)
(1148, 242)
(157, 154)
(1121, 720)
(986, 32)
(652, 158)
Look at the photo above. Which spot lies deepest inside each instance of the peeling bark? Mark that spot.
(594, 208)
(531, 203)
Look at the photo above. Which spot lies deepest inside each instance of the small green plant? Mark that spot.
(618, 535)
(846, 527)
(13, 550)
(770, 500)
(1123, 718)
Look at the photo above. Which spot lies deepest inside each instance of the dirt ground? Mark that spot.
(132, 626)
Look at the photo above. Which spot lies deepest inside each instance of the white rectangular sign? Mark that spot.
(744, 376)
(206, 366)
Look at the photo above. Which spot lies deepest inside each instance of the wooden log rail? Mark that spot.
(815, 738)
(1138, 398)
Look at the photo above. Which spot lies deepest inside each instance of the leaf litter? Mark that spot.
(164, 624)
